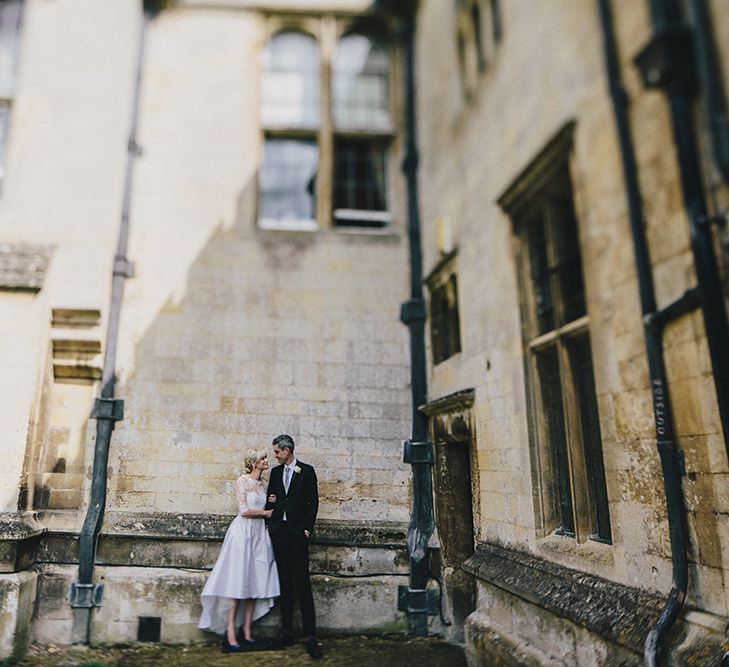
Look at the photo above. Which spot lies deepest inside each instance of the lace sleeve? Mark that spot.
(241, 494)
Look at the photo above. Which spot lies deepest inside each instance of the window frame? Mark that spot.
(327, 30)
(444, 277)
(527, 202)
(478, 33)
(278, 131)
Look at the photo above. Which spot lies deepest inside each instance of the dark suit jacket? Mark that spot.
(301, 503)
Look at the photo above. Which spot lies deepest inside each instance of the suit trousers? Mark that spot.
(292, 560)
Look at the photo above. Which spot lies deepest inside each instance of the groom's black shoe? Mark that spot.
(283, 641)
(313, 648)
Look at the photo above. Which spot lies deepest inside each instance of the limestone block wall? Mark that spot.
(298, 354)
(548, 70)
(64, 188)
(155, 566)
(16, 612)
(61, 190)
(21, 352)
(231, 335)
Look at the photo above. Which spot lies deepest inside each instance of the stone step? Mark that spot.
(63, 480)
(64, 499)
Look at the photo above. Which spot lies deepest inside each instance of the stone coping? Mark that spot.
(617, 612)
(20, 534)
(19, 526)
(170, 539)
(157, 525)
(459, 400)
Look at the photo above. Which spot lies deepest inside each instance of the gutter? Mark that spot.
(416, 599)
(666, 62)
(85, 594)
(672, 463)
(714, 96)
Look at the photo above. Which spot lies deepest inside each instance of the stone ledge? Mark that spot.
(193, 541)
(386, 534)
(20, 534)
(616, 612)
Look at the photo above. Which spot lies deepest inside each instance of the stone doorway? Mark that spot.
(454, 489)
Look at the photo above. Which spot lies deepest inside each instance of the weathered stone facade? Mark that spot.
(479, 131)
(231, 333)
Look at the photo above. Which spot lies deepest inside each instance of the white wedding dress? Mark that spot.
(245, 567)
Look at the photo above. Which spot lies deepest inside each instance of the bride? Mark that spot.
(245, 569)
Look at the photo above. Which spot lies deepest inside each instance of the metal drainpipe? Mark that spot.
(416, 598)
(85, 594)
(706, 61)
(667, 62)
(654, 322)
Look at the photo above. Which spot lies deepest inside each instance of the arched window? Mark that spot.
(291, 81)
(362, 131)
(478, 33)
(290, 114)
(361, 84)
(325, 150)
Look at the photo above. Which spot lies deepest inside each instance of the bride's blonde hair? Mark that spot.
(253, 455)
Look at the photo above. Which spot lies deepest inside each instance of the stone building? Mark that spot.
(239, 176)
(550, 494)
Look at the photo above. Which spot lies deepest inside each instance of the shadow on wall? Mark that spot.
(275, 332)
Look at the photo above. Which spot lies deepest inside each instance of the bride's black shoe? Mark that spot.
(231, 648)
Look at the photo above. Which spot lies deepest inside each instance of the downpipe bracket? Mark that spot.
(123, 267)
(667, 58)
(687, 302)
(86, 596)
(417, 600)
(108, 408)
(412, 311)
(417, 452)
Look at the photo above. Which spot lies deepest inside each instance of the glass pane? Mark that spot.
(359, 175)
(4, 121)
(10, 12)
(454, 324)
(539, 267)
(291, 81)
(438, 324)
(361, 83)
(568, 262)
(478, 36)
(581, 362)
(445, 330)
(552, 414)
(496, 21)
(288, 182)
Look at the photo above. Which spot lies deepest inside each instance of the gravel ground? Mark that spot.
(390, 651)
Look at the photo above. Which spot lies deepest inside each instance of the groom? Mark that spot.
(294, 498)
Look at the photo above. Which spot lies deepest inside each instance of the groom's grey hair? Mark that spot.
(284, 441)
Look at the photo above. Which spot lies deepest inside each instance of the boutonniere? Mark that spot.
(297, 469)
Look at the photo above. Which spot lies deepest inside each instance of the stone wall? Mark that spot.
(229, 334)
(547, 71)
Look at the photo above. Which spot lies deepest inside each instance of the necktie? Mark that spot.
(287, 478)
